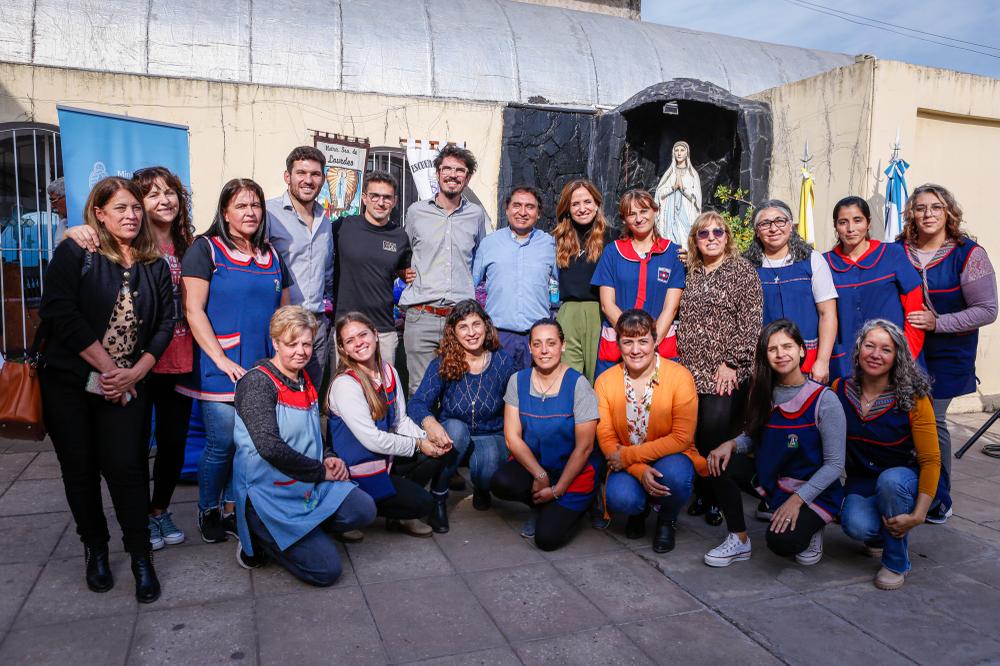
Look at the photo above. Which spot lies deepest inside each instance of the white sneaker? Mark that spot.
(813, 552)
(729, 551)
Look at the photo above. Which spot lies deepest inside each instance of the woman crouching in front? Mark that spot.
(290, 491)
(549, 423)
(649, 409)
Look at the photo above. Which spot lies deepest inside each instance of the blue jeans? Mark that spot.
(861, 517)
(215, 468)
(486, 455)
(625, 495)
(314, 559)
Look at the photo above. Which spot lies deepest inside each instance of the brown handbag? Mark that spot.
(21, 397)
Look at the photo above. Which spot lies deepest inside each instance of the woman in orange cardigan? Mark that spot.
(649, 409)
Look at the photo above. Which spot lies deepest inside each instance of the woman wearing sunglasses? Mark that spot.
(721, 309)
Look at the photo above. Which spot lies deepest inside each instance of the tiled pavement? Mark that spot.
(482, 594)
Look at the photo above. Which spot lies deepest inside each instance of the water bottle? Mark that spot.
(553, 293)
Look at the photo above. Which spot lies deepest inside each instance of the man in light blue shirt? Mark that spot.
(302, 235)
(517, 264)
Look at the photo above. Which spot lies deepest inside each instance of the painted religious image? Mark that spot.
(678, 194)
(346, 158)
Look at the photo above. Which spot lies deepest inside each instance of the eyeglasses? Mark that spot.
(776, 223)
(375, 198)
(703, 234)
(458, 171)
(935, 209)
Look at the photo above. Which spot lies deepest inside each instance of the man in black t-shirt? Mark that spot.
(371, 252)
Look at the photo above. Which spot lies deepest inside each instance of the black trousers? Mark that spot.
(173, 411)
(555, 525)
(409, 476)
(94, 438)
(793, 542)
(720, 418)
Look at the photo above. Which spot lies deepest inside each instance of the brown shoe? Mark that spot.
(411, 526)
(889, 580)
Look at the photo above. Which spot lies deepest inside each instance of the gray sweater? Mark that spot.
(832, 426)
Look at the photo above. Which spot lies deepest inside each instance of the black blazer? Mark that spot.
(78, 299)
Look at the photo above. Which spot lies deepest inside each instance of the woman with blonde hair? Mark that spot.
(721, 311)
(388, 455)
(581, 235)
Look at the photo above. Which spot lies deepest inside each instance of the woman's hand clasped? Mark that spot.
(725, 380)
(650, 484)
(786, 515)
(336, 469)
(718, 459)
(432, 449)
(615, 460)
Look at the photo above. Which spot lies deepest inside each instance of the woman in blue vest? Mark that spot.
(290, 491)
(641, 271)
(550, 422)
(893, 459)
(797, 284)
(960, 292)
(388, 455)
(232, 282)
(873, 279)
(795, 428)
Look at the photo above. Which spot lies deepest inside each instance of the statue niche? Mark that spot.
(678, 194)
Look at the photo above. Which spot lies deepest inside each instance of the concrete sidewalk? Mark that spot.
(482, 594)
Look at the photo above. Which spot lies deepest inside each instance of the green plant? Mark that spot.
(730, 201)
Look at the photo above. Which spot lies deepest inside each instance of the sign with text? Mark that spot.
(346, 160)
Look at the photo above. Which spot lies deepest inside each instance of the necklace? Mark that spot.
(546, 391)
(473, 398)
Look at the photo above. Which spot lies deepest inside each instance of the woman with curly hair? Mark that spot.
(581, 236)
(796, 282)
(460, 402)
(960, 292)
(893, 460)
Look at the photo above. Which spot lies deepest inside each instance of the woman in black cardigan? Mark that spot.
(106, 317)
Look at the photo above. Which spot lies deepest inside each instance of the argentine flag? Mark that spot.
(895, 197)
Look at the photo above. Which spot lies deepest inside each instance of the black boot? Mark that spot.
(147, 585)
(697, 506)
(99, 578)
(481, 500)
(713, 516)
(438, 520)
(635, 527)
(664, 538)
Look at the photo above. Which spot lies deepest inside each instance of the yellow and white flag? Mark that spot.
(807, 200)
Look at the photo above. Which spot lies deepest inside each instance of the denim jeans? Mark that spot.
(215, 468)
(861, 517)
(484, 453)
(625, 495)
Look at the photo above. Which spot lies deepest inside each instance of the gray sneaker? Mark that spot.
(156, 541)
(171, 534)
(528, 529)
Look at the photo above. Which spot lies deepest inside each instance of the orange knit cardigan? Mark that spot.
(672, 420)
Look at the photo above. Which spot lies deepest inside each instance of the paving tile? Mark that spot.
(800, 631)
(186, 574)
(13, 464)
(430, 617)
(965, 506)
(26, 497)
(23, 446)
(273, 580)
(696, 639)
(209, 634)
(956, 595)
(334, 627)
(944, 544)
(586, 542)
(185, 492)
(482, 540)
(44, 466)
(99, 641)
(16, 581)
(533, 601)
(70, 545)
(31, 538)
(625, 587)
(494, 657)
(385, 556)
(926, 605)
(986, 571)
(61, 594)
(606, 645)
(987, 489)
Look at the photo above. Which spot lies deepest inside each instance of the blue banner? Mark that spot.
(96, 145)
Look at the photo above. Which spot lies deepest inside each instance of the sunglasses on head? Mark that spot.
(703, 234)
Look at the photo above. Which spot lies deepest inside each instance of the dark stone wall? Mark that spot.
(546, 148)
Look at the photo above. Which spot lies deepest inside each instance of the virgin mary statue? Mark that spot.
(678, 194)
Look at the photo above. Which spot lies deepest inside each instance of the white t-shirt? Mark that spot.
(822, 279)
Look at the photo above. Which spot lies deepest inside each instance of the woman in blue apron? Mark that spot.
(960, 294)
(550, 421)
(873, 280)
(290, 491)
(893, 459)
(797, 284)
(388, 455)
(795, 427)
(232, 282)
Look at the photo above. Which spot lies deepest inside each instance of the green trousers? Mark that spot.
(581, 323)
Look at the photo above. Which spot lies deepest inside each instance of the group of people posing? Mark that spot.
(669, 377)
